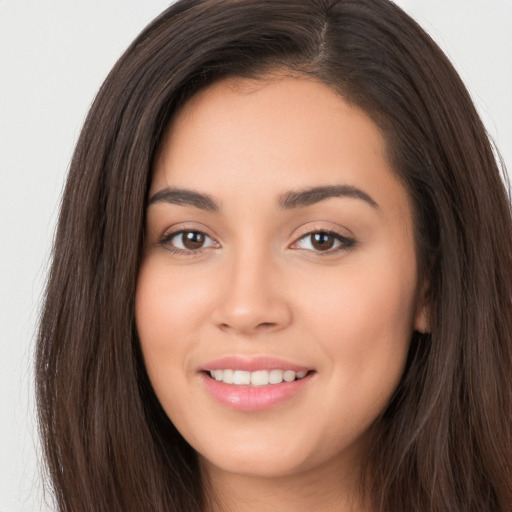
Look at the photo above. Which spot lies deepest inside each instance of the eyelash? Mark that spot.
(165, 242)
(344, 243)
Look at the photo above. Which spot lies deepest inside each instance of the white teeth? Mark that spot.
(257, 378)
(289, 376)
(275, 376)
(241, 378)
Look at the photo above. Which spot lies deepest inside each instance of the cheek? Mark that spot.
(365, 318)
(363, 327)
(168, 305)
(167, 313)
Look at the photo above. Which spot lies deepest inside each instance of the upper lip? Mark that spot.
(252, 364)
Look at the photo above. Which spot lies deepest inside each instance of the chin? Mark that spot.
(260, 465)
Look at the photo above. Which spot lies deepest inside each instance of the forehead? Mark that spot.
(272, 109)
(273, 134)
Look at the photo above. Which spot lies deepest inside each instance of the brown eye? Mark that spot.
(192, 239)
(322, 241)
(187, 242)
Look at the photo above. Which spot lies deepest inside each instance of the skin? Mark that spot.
(258, 286)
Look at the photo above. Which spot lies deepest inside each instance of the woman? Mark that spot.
(282, 274)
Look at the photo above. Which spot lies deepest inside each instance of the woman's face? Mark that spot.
(277, 294)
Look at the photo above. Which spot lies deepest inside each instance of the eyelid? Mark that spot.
(180, 227)
(347, 240)
(165, 239)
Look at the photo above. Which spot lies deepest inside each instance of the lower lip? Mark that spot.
(253, 398)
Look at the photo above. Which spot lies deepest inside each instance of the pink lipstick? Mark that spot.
(254, 384)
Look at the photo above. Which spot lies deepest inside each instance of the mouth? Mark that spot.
(256, 378)
(255, 383)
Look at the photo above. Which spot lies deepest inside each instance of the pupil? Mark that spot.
(323, 241)
(193, 239)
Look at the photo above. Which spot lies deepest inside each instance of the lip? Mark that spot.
(253, 398)
(252, 364)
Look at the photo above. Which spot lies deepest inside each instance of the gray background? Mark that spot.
(53, 57)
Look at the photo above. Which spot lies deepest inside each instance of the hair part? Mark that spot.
(444, 442)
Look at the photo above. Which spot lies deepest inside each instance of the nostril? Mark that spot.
(252, 316)
(262, 326)
(266, 325)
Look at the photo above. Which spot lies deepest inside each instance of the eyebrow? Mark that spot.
(314, 195)
(184, 197)
(288, 201)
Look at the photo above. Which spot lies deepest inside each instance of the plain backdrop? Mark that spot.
(53, 57)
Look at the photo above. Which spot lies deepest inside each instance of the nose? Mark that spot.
(253, 297)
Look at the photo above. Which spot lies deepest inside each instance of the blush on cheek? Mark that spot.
(367, 327)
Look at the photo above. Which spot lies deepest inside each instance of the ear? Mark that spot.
(422, 319)
(421, 322)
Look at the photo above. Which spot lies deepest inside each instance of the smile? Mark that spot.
(256, 378)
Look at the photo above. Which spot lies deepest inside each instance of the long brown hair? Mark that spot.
(445, 440)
